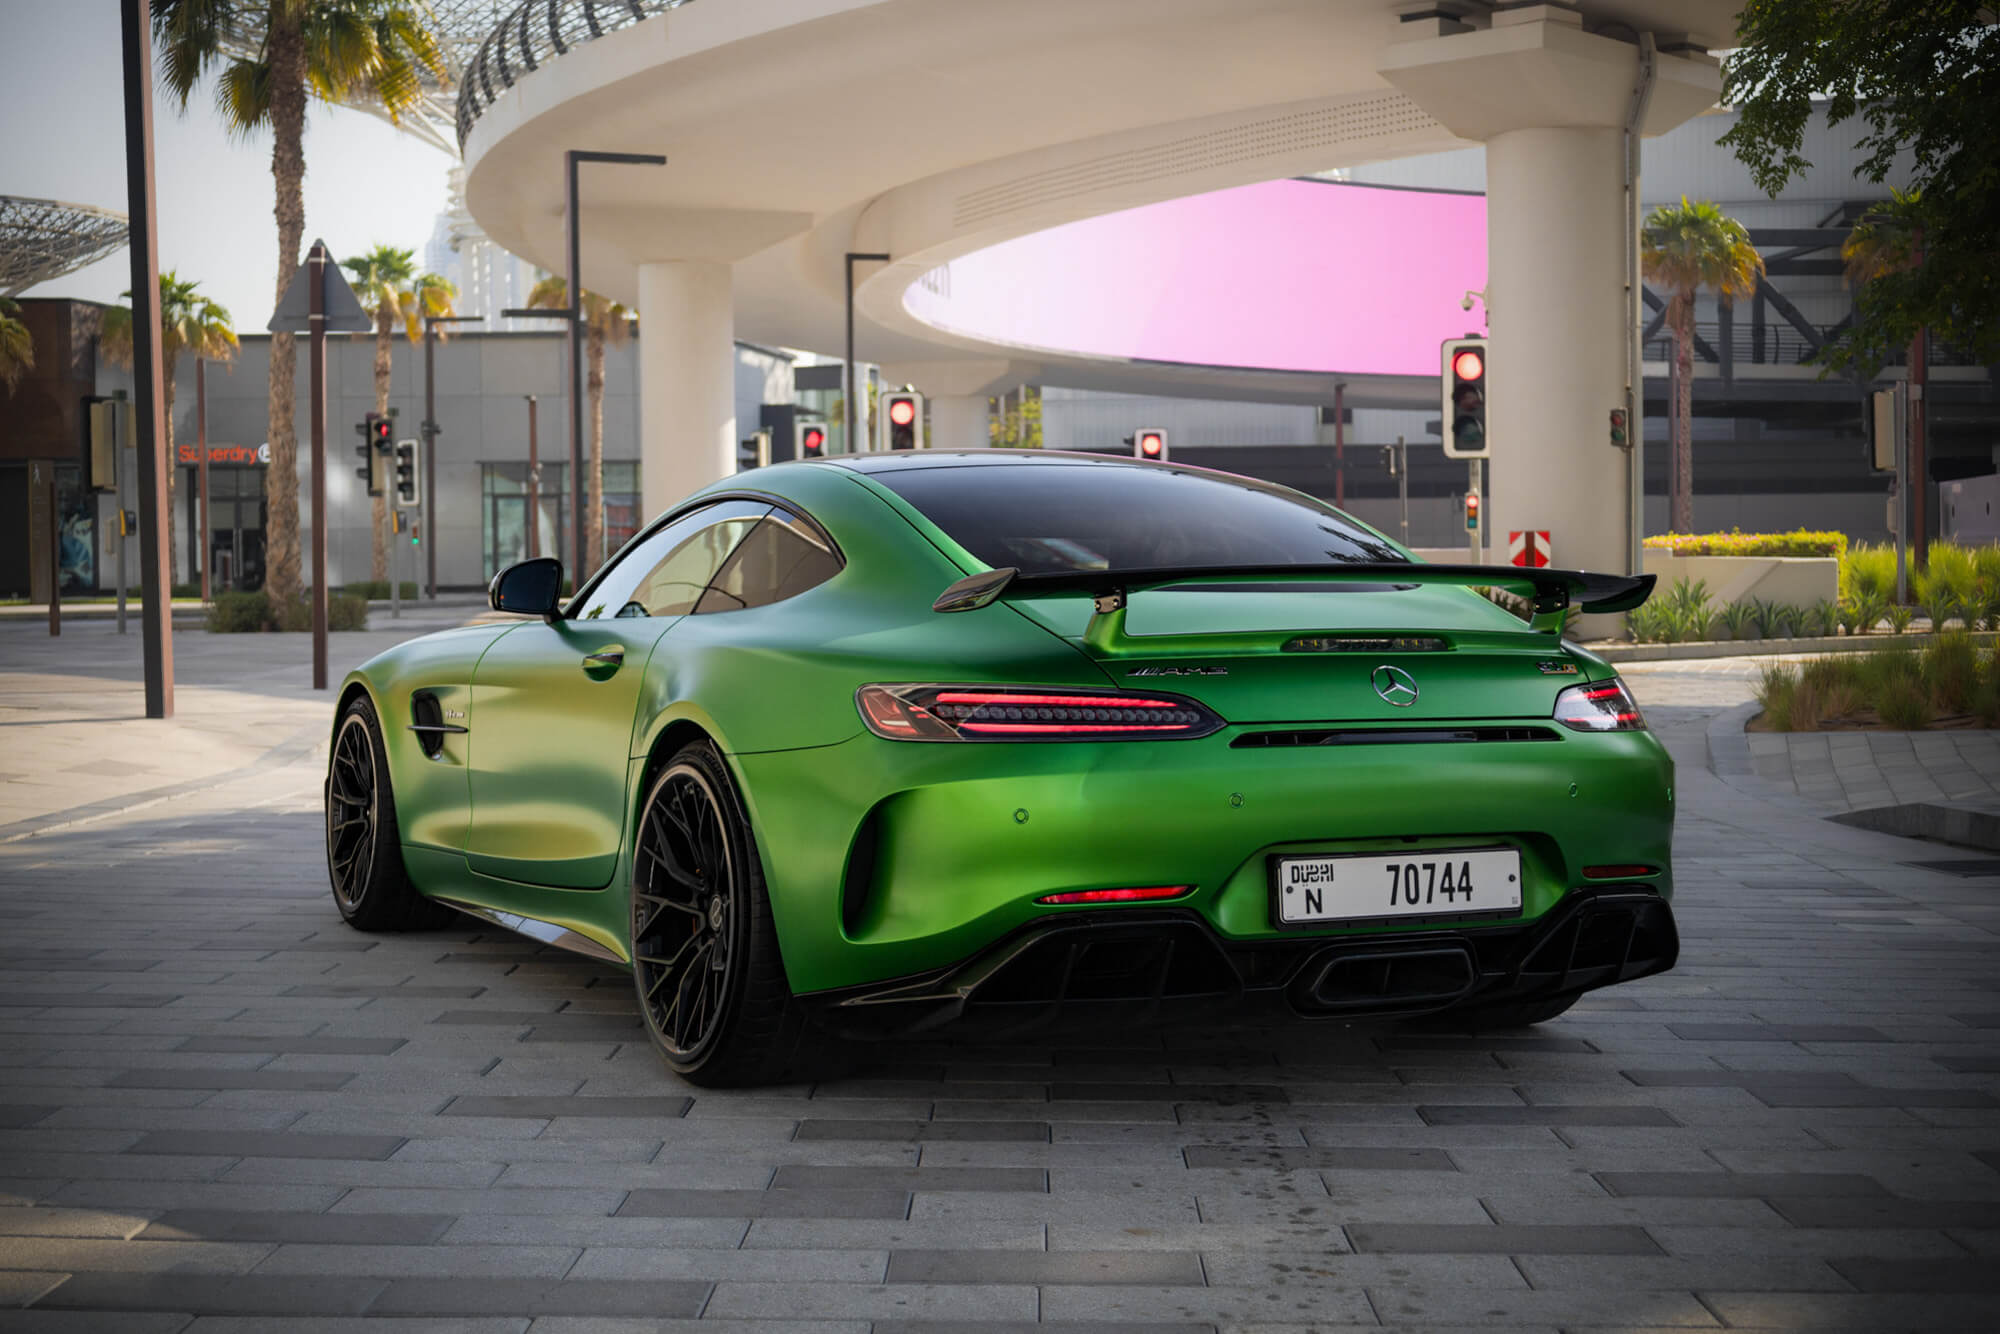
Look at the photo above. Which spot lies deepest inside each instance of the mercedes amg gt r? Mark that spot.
(873, 744)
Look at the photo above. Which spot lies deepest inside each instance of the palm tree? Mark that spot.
(604, 322)
(335, 50)
(1889, 239)
(1685, 248)
(189, 323)
(17, 345)
(392, 291)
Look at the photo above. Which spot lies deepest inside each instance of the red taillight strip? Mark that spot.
(1073, 727)
(1076, 701)
(1143, 894)
(1618, 872)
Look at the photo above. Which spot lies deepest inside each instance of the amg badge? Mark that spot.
(1178, 671)
(1557, 668)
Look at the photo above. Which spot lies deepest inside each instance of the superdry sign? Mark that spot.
(243, 454)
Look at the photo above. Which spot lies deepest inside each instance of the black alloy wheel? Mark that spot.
(351, 794)
(705, 964)
(364, 845)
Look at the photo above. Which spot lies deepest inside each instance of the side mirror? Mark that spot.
(532, 588)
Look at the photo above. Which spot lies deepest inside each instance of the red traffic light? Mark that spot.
(1149, 444)
(902, 411)
(814, 439)
(1468, 365)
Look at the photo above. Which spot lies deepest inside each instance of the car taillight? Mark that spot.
(1603, 707)
(1028, 713)
(1137, 894)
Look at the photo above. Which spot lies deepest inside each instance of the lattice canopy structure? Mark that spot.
(41, 239)
(532, 33)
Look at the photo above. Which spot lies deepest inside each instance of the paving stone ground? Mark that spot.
(223, 1110)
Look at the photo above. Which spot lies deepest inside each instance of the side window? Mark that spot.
(665, 574)
(783, 556)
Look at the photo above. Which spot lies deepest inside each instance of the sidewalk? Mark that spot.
(75, 744)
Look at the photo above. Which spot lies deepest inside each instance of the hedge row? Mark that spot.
(254, 613)
(1800, 542)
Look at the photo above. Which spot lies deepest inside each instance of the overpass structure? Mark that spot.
(799, 131)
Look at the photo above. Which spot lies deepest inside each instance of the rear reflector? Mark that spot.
(1028, 713)
(1146, 894)
(1618, 872)
(1367, 644)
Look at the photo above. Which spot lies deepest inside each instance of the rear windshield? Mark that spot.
(1051, 517)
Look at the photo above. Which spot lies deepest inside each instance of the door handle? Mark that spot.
(604, 657)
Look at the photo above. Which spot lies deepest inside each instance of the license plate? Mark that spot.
(1373, 886)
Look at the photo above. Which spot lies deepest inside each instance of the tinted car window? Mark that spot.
(665, 574)
(1050, 517)
(782, 557)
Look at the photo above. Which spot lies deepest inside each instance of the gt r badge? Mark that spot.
(1178, 671)
(1394, 685)
(1556, 668)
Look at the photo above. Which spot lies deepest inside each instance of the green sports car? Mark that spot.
(867, 745)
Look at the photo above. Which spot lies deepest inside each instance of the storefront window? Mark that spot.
(504, 511)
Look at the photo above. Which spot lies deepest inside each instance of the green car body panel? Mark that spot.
(890, 859)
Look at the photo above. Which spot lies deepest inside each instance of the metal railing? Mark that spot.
(1776, 344)
(533, 33)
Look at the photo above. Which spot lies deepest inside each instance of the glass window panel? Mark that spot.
(666, 573)
(783, 557)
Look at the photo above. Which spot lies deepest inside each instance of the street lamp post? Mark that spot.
(430, 431)
(573, 313)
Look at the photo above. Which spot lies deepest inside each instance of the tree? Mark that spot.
(392, 291)
(335, 50)
(189, 323)
(604, 322)
(17, 345)
(1684, 248)
(1019, 426)
(1921, 80)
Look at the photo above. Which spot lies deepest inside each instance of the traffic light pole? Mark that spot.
(1472, 530)
(849, 414)
(316, 261)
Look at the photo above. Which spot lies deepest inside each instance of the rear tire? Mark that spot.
(364, 846)
(706, 969)
(1515, 1014)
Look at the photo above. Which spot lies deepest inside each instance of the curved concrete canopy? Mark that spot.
(801, 129)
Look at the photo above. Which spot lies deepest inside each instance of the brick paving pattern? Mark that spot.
(222, 1110)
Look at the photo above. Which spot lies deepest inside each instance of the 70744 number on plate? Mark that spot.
(1373, 886)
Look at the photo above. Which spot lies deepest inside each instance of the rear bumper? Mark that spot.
(1127, 967)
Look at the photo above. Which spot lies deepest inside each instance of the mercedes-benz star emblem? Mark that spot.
(1395, 685)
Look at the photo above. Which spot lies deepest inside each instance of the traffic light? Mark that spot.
(1150, 442)
(1619, 436)
(1471, 511)
(374, 450)
(1464, 398)
(811, 442)
(409, 493)
(754, 452)
(903, 417)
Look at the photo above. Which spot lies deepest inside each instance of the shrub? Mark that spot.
(1950, 667)
(1777, 687)
(1825, 617)
(1904, 706)
(1868, 609)
(239, 613)
(1801, 542)
(1869, 570)
(253, 613)
(1900, 618)
(1741, 620)
(378, 589)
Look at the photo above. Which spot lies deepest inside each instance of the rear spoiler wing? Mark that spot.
(1550, 593)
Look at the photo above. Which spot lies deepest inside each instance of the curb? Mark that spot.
(1728, 746)
(298, 745)
(1767, 648)
(1938, 822)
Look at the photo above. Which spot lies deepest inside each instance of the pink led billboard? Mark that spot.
(1286, 275)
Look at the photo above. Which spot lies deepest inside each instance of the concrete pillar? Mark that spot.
(958, 421)
(1550, 101)
(1555, 289)
(687, 379)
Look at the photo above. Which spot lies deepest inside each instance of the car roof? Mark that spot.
(902, 460)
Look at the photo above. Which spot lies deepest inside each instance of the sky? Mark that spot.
(63, 138)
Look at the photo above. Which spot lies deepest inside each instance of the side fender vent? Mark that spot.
(427, 718)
